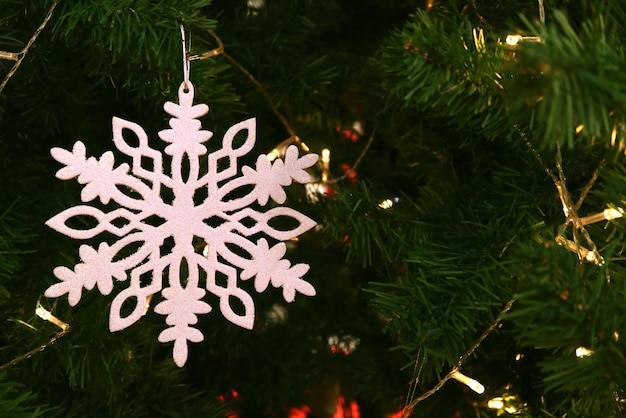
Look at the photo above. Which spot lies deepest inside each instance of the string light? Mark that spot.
(495, 403)
(46, 315)
(583, 352)
(325, 164)
(475, 385)
(513, 40)
(606, 215)
(274, 154)
(147, 307)
(11, 56)
(386, 204)
(505, 403)
(343, 345)
(19, 57)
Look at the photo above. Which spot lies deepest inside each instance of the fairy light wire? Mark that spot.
(293, 138)
(542, 11)
(46, 315)
(19, 57)
(461, 360)
(417, 372)
(570, 209)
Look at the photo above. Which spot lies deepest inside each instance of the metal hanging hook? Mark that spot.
(186, 61)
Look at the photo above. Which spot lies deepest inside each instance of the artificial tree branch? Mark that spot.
(283, 120)
(47, 316)
(461, 360)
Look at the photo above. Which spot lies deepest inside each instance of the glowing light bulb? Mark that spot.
(43, 313)
(274, 154)
(468, 381)
(583, 352)
(495, 403)
(510, 409)
(611, 213)
(325, 164)
(386, 204)
(513, 39)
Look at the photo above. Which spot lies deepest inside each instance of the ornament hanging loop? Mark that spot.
(186, 61)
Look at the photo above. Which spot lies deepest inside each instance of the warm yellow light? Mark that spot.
(274, 154)
(579, 128)
(325, 155)
(519, 356)
(386, 204)
(471, 383)
(513, 39)
(46, 315)
(516, 39)
(510, 409)
(583, 352)
(606, 215)
(43, 313)
(325, 164)
(495, 403)
(611, 213)
(479, 39)
(147, 307)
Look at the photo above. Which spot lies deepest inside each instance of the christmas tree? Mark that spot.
(468, 254)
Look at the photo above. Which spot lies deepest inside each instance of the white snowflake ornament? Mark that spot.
(234, 233)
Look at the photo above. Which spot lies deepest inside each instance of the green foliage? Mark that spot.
(16, 401)
(575, 79)
(457, 119)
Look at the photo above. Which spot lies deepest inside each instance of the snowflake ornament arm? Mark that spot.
(176, 271)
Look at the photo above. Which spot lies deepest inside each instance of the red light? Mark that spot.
(400, 414)
(352, 410)
(299, 412)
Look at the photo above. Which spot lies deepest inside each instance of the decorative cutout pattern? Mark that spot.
(182, 220)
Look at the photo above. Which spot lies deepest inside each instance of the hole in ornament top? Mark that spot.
(215, 221)
(185, 168)
(82, 222)
(237, 307)
(283, 223)
(183, 271)
(166, 247)
(237, 250)
(127, 191)
(146, 278)
(128, 306)
(130, 249)
(238, 193)
(200, 195)
(120, 222)
(130, 137)
(248, 222)
(147, 163)
(167, 195)
(240, 138)
(221, 279)
(154, 220)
